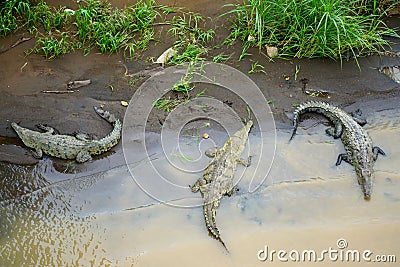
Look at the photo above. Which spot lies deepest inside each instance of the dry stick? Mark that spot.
(142, 73)
(20, 41)
(59, 92)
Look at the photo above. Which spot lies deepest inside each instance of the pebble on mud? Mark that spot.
(272, 51)
(251, 38)
(166, 56)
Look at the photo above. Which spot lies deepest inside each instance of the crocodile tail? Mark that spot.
(108, 116)
(310, 106)
(210, 214)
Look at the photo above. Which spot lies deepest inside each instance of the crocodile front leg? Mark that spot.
(244, 162)
(38, 153)
(378, 150)
(211, 152)
(83, 156)
(196, 187)
(344, 157)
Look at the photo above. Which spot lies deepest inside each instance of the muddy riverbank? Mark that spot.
(25, 78)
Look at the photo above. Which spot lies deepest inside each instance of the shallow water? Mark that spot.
(305, 203)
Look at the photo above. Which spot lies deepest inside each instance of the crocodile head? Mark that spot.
(365, 177)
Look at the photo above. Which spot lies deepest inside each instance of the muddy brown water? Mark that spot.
(306, 203)
(57, 213)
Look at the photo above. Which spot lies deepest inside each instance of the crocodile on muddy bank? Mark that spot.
(77, 147)
(360, 151)
(217, 179)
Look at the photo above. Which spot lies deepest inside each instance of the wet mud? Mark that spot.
(98, 214)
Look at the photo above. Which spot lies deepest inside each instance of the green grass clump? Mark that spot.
(191, 36)
(308, 28)
(94, 24)
(11, 13)
(110, 29)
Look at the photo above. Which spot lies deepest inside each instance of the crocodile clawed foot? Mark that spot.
(82, 136)
(344, 157)
(245, 162)
(358, 117)
(37, 154)
(47, 129)
(83, 156)
(232, 191)
(378, 150)
(211, 152)
(335, 131)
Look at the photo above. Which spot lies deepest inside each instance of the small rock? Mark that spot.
(251, 38)
(272, 51)
(166, 56)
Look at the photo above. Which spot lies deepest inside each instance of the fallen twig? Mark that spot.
(20, 41)
(59, 92)
(143, 73)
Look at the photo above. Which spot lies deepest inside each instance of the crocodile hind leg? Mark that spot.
(83, 156)
(378, 150)
(344, 157)
(232, 191)
(85, 137)
(335, 131)
(244, 162)
(82, 136)
(38, 153)
(47, 129)
(358, 117)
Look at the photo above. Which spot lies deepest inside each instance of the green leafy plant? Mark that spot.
(55, 44)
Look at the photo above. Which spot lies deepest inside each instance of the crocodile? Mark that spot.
(217, 179)
(360, 151)
(78, 147)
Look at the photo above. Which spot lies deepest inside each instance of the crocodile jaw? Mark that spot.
(365, 178)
